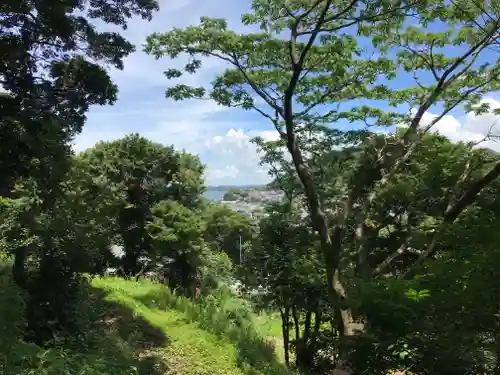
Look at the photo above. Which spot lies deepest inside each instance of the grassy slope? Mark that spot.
(269, 326)
(179, 337)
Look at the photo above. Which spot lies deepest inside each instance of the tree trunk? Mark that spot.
(285, 330)
(18, 268)
(317, 326)
(306, 346)
(296, 323)
(331, 246)
(305, 357)
(307, 327)
(130, 263)
(21, 254)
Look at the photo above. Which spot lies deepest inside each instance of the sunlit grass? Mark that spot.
(214, 337)
(190, 350)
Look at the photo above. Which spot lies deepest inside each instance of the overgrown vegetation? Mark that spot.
(140, 328)
(382, 257)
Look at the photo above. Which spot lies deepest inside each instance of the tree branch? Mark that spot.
(400, 250)
(452, 213)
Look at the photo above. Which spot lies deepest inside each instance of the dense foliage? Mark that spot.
(336, 79)
(382, 256)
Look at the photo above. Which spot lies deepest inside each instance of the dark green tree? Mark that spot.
(60, 243)
(53, 63)
(52, 69)
(177, 242)
(147, 173)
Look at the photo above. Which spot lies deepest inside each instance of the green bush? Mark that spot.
(216, 271)
(222, 314)
(90, 354)
(14, 352)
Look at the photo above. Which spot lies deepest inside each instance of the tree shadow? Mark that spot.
(116, 339)
(109, 338)
(254, 353)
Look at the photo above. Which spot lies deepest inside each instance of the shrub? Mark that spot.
(216, 271)
(15, 354)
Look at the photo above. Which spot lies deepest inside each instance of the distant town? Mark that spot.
(249, 200)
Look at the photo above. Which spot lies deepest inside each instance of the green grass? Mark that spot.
(189, 350)
(142, 328)
(269, 325)
(212, 338)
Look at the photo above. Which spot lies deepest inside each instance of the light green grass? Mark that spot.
(142, 328)
(269, 325)
(189, 350)
(200, 340)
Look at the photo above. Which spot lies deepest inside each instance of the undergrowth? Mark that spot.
(138, 328)
(226, 318)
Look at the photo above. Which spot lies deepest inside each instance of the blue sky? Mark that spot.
(219, 135)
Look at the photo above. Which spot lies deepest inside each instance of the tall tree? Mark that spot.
(312, 64)
(147, 173)
(285, 262)
(52, 68)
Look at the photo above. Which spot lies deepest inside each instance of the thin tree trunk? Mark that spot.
(296, 323)
(285, 330)
(317, 326)
(21, 254)
(18, 268)
(307, 327)
(299, 344)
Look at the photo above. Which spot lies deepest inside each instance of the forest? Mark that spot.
(381, 258)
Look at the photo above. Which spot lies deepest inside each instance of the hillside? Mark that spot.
(240, 187)
(142, 328)
(170, 335)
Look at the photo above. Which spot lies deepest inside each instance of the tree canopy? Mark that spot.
(52, 70)
(311, 65)
(382, 256)
(146, 173)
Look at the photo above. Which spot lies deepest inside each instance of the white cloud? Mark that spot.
(235, 158)
(196, 126)
(470, 128)
(228, 153)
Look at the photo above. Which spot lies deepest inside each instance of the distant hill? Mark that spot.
(242, 187)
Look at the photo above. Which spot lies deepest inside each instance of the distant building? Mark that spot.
(258, 214)
(244, 212)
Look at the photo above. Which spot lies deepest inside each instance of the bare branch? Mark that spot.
(431, 65)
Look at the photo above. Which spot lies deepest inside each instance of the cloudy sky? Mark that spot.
(220, 136)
